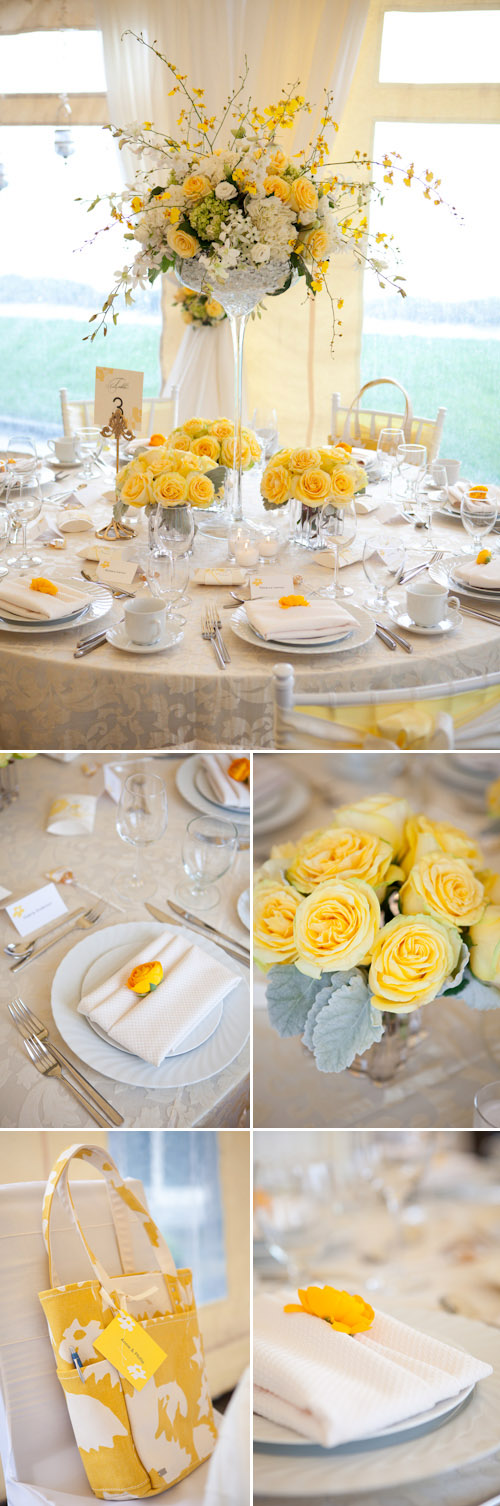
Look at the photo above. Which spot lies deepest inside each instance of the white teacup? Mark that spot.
(144, 620)
(452, 468)
(428, 602)
(65, 449)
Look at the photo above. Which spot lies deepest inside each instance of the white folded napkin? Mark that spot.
(364, 504)
(219, 575)
(94, 552)
(227, 791)
(485, 576)
(392, 512)
(75, 521)
(19, 600)
(333, 1388)
(153, 1025)
(458, 491)
(321, 621)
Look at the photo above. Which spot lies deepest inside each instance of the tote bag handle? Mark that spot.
(122, 1202)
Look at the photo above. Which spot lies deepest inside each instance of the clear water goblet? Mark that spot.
(168, 576)
(432, 493)
(141, 820)
(411, 464)
(208, 850)
(383, 560)
(338, 529)
(89, 441)
(24, 504)
(265, 426)
(478, 514)
(388, 444)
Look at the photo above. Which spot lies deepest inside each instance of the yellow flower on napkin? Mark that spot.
(445, 887)
(293, 601)
(343, 1311)
(411, 960)
(145, 978)
(335, 926)
(39, 583)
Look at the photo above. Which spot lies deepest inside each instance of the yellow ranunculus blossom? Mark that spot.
(485, 948)
(183, 244)
(344, 1311)
(324, 854)
(445, 887)
(169, 489)
(423, 835)
(274, 907)
(145, 977)
(413, 957)
(200, 490)
(302, 460)
(275, 485)
(313, 487)
(335, 926)
(385, 815)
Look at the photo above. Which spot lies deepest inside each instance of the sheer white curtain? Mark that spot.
(315, 42)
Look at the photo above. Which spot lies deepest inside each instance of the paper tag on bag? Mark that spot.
(131, 1350)
(115, 572)
(36, 909)
(271, 583)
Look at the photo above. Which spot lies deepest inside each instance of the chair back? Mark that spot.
(416, 717)
(159, 414)
(362, 426)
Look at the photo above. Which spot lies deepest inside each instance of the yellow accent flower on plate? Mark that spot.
(342, 1310)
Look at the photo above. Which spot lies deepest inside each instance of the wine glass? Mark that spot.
(338, 529)
(383, 560)
(295, 1214)
(432, 492)
(141, 819)
(22, 449)
(208, 849)
(478, 514)
(24, 503)
(388, 443)
(167, 577)
(265, 426)
(411, 463)
(89, 441)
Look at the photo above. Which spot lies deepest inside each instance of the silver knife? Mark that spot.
(402, 641)
(88, 647)
(196, 920)
(384, 637)
(170, 920)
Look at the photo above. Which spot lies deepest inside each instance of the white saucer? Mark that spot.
(447, 624)
(62, 465)
(117, 636)
(243, 908)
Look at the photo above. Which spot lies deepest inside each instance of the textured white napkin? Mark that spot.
(485, 576)
(227, 791)
(333, 1388)
(321, 621)
(19, 599)
(152, 1025)
(364, 504)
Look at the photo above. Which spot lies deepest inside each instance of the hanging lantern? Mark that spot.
(63, 136)
(4, 182)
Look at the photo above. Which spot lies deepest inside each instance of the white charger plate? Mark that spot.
(186, 781)
(291, 802)
(270, 1435)
(203, 785)
(177, 1071)
(361, 634)
(108, 963)
(100, 603)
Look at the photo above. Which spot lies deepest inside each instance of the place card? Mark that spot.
(272, 583)
(36, 909)
(115, 572)
(113, 783)
(72, 815)
(118, 389)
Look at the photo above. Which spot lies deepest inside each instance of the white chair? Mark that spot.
(158, 414)
(465, 715)
(361, 426)
(41, 1462)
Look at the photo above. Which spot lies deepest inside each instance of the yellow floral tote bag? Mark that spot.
(128, 1351)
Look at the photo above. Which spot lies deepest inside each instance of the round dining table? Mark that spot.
(180, 697)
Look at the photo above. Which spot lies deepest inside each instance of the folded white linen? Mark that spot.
(458, 491)
(487, 577)
(153, 1025)
(364, 504)
(94, 552)
(77, 521)
(17, 598)
(333, 1388)
(321, 621)
(227, 791)
(219, 575)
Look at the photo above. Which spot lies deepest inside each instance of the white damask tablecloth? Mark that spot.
(453, 1058)
(28, 852)
(180, 698)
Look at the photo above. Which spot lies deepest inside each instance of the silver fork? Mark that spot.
(87, 920)
(217, 625)
(410, 574)
(28, 1026)
(208, 633)
(46, 1063)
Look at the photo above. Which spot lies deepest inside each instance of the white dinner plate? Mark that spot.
(270, 1435)
(203, 785)
(243, 908)
(176, 1071)
(100, 603)
(482, 593)
(293, 799)
(185, 779)
(364, 631)
(108, 963)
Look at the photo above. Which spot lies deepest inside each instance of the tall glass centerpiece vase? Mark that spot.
(239, 294)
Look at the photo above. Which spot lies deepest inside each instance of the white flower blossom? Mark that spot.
(225, 190)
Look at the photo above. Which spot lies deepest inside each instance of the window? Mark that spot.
(445, 47)
(181, 1179)
(52, 62)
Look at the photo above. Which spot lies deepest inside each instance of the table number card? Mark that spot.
(126, 386)
(36, 909)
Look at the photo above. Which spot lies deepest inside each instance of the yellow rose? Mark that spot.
(207, 445)
(275, 485)
(195, 187)
(214, 309)
(222, 428)
(156, 459)
(252, 441)
(227, 453)
(317, 244)
(321, 855)
(136, 490)
(302, 460)
(277, 186)
(181, 441)
(384, 815)
(195, 427)
(279, 161)
(423, 836)
(332, 459)
(493, 798)
(169, 489)
(342, 486)
(186, 463)
(274, 907)
(184, 245)
(412, 959)
(445, 887)
(200, 490)
(491, 885)
(303, 197)
(313, 487)
(485, 950)
(282, 457)
(335, 926)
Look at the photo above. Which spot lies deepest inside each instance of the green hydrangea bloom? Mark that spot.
(207, 217)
